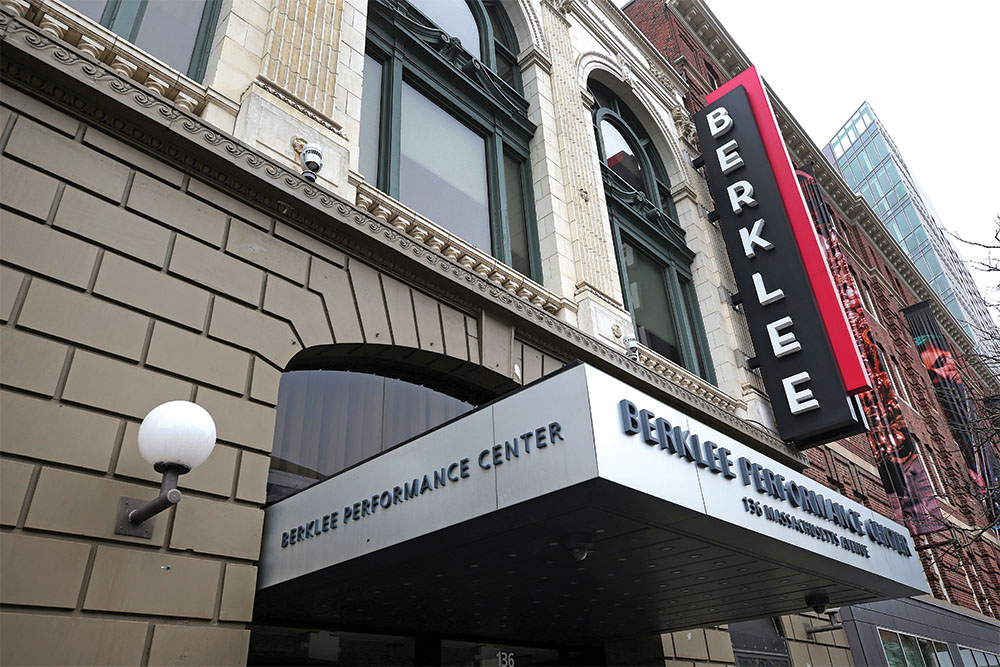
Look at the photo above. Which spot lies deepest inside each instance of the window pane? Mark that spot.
(411, 409)
(647, 292)
(500, 34)
(91, 8)
(169, 30)
(455, 18)
(329, 420)
(967, 659)
(519, 257)
(942, 654)
(621, 158)
(691, 308)
(506, 68)
(926, 645)
(910, 648)
(442, 171)
(893, 651)
(371, 120)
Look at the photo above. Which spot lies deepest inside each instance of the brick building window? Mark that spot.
(653, 260)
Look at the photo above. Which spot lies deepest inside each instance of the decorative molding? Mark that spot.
(126, 110)
(97, 42)
(662, 78)
(538, 40)
(408, 222)
(688, 380)
(300, 105)
(449, 48)
(535, 56)
(686, 129)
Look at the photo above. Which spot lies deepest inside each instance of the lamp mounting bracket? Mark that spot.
(125, 527)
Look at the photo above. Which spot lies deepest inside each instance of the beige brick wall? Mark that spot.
(102, 322)
(124, 284)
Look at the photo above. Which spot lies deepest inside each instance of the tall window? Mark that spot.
(444, 126)
(178, 32)
(654, 261)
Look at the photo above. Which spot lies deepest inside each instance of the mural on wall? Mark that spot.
(975, 436)
(903, 474)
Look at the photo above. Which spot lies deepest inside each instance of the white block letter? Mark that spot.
(782, 344)
(719, 121)
(766, 297)
(799, 401)
(741, 192)
(753, 238)
(729, 159)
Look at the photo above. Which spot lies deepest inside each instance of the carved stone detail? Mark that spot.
(72, 28)
(158, 85)
(18, 7)
(592, 235)
(126, 68)
(53, 27)
(186, 102)
(299, 105)
(686, 128)
(92, 47)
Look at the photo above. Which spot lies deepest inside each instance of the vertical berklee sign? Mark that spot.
(806, 352)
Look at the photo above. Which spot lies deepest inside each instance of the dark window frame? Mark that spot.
(412, 50)
(650, 223)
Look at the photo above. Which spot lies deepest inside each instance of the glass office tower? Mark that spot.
(864, 153)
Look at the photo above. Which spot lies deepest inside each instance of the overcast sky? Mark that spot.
(920, 65)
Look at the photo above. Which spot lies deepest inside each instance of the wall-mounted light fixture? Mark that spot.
(174, 437)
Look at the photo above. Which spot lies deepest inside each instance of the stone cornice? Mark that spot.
(67, 24)
(703, 24)
(45, 67)
(422, 230)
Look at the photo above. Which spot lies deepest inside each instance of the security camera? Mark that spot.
(312, 160)
(818, 602)
(631, 347)
(579, 553)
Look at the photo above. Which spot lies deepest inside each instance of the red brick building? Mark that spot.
(961, 559)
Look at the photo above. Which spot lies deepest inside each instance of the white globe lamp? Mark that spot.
(175, 437)
(178, 433)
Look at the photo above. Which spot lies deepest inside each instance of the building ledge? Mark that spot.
(91, 39)
(689, 381)
(427, 233)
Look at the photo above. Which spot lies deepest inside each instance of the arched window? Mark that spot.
(444, 125)
(653, 259)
